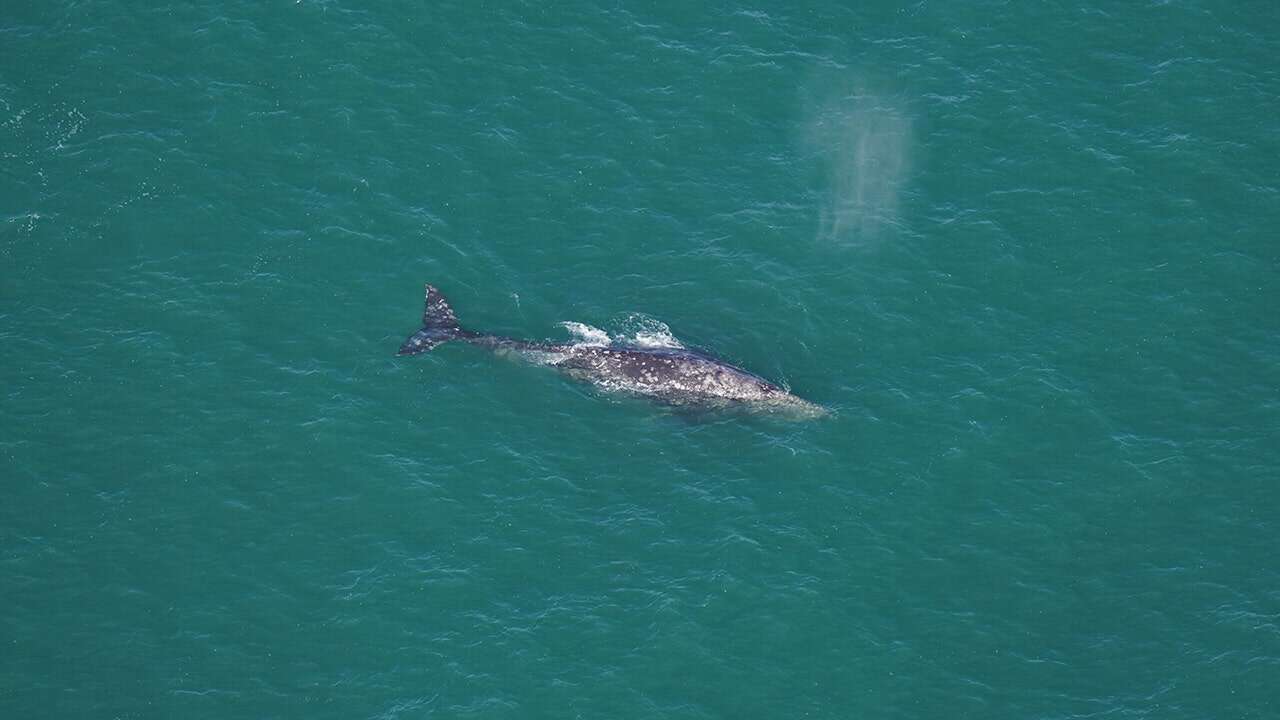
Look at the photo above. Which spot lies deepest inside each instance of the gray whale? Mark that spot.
(675, 376)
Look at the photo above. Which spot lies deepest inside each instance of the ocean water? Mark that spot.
(1027, 252)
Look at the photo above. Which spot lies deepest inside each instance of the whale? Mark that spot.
(672, 376)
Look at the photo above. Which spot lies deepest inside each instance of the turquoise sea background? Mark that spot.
(1027, 251)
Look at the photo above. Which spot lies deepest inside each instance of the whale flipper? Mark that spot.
(439, 325)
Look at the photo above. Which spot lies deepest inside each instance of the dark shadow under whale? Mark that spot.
(675, 376)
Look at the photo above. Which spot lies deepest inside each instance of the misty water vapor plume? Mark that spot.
(861, 141)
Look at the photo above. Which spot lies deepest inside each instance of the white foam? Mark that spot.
(646, 339)
(634, 330)
(586, 334)
(646, 332)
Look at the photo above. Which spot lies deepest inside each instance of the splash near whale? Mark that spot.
(671, 375)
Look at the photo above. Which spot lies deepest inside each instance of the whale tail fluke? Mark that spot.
(439, 325)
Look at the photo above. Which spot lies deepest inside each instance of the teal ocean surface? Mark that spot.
(1028, 253)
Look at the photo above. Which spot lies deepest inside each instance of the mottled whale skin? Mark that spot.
(671, 375)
